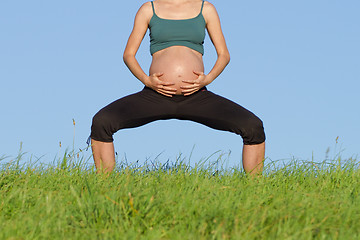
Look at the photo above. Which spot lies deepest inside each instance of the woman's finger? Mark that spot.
(190, 86)
(189, 90)
(187, 94)
(198, 73)
(165, 87)
(167, 83)
(158, 74)
(169, 88)
(164, 93)
(186, 87)
(189, 81)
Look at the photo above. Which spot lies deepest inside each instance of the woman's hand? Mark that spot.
(194, 85)
(160, 86)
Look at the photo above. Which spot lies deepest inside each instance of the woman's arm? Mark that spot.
(141, 23)
(216, 35)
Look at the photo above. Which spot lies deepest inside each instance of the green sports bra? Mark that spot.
(165, 33)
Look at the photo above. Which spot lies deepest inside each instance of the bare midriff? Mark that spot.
(177, 63)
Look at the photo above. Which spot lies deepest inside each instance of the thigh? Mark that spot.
(217, 112)
(137, 109)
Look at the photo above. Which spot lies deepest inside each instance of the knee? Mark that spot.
(101, 127)
(253, 132)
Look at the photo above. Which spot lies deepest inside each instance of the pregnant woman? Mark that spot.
(175, 87)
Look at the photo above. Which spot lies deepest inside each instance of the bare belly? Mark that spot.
(177, 63)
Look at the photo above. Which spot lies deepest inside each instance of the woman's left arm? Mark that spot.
(216, 35)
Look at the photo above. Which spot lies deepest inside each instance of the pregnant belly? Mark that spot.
(177, 63)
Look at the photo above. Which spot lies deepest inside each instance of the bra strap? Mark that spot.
(202, 6)
(152, 4)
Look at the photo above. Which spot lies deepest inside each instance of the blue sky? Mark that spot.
(295, 64)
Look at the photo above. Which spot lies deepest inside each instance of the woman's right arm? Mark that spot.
(141, 24)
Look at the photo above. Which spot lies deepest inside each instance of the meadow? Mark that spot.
(67, 200)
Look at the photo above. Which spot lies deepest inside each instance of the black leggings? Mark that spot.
(203, 107)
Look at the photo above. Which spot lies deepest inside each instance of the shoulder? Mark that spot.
(209, 12)
(145, 11)
(208, 7)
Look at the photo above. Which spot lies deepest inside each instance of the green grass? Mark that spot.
(67, 200)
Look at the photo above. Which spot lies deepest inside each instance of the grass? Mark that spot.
(67, 200)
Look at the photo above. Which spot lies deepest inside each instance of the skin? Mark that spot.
(184, 74)
(177, 64)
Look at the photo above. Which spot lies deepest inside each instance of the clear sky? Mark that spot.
(295, 64)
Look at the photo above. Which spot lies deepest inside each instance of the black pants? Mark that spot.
(203, 107)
